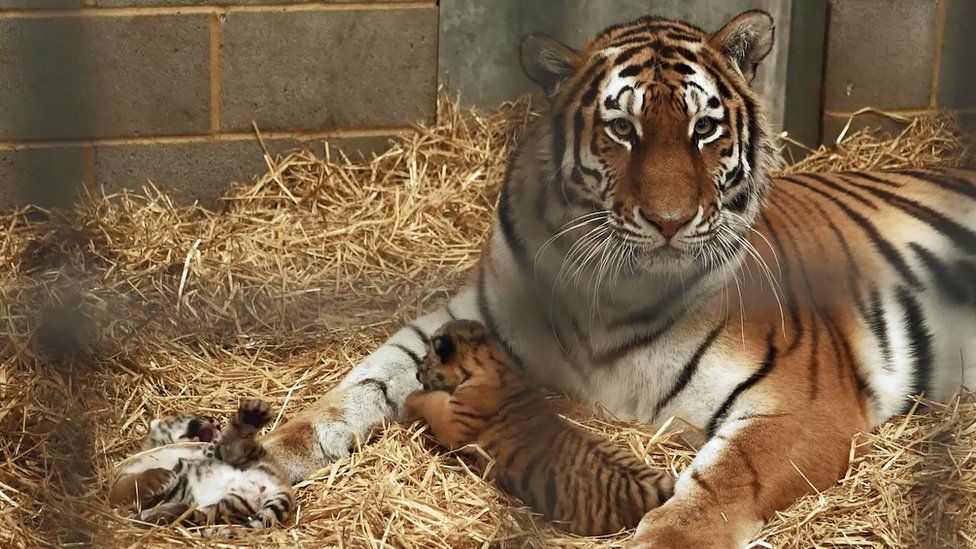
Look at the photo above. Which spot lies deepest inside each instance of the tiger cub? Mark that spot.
(474, 394)
(231, 480)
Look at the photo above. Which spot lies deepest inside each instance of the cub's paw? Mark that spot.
(255, 413)
(140, 489)
(164, 513)
(414, 405)
(431, 380)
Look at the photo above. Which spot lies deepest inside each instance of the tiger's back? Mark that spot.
(885, 261)
(581, 481)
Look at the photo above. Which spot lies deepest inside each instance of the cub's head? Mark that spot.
(463, 352)
(657, 135)
(181, 428)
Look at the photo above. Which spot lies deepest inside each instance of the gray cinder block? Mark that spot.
(317, 70)
(93, 77)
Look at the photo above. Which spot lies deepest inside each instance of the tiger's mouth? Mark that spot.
(202, 430)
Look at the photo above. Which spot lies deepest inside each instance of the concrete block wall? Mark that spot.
(908, 57)
(479, 46)
(113, 93)
(480, 38)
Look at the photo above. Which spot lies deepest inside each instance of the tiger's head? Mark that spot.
(654, 125)
(180, 428)
(464, 353)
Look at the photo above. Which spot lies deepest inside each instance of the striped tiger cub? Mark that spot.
(645, 258)
(231, 480)
(582, 482)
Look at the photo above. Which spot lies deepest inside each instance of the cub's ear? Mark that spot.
(444, 347)
(746, 40)
(547, 61)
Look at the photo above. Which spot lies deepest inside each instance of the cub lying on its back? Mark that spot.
(475, 395)
(231, 480)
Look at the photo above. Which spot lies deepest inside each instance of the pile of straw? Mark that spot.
(131, 307)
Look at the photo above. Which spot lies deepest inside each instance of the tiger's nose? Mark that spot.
(667, 226)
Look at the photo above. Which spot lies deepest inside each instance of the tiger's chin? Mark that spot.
(666, 260)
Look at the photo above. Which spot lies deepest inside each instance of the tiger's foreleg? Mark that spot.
(755, 464)
(374, 391)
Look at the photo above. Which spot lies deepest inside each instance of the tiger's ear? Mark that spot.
(746, 40)
(547, 61)
(444, 347)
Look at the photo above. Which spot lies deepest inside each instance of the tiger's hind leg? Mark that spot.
(168, 513)
(273, 511)
(140, 488)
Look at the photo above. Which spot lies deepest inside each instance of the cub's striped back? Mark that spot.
(582, 482)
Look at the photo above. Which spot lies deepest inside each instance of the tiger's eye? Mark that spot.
(622, 128)
(704, 127)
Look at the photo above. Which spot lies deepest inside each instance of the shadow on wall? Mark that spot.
(957, 77)
(40, 70)
(52, 176)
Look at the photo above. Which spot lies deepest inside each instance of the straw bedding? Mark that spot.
(132, 307)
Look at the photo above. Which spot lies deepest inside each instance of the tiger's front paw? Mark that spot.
(680, 527)
(255, 413)
(302, 446)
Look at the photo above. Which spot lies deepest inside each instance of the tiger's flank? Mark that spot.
(475, 395)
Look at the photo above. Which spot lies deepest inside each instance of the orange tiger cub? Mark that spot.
(474, 394)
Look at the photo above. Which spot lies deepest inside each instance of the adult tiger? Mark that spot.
(642, 258)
